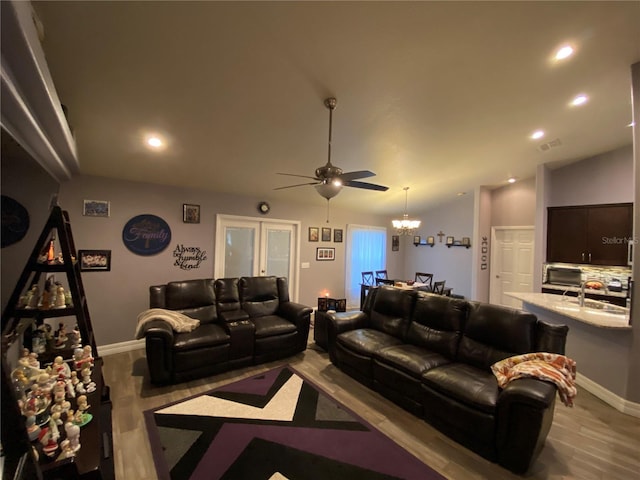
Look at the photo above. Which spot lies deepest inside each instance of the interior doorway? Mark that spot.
(248, 246)
(511, 264)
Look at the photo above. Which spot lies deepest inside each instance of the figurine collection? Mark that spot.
(44, 398)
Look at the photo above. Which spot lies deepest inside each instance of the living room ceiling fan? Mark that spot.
(330, 179)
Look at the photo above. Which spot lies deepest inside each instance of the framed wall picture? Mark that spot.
(326, 234)
(96, 208)
(325, 253)
(314, 234)
(431, 241)
(466, 241)
(395, 243)
(449, 240)
(94, 260)
(190, 213)
(337, 235)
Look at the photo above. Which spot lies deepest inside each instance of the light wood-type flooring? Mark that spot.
(590, 441)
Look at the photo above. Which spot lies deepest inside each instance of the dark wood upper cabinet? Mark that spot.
(589, 234)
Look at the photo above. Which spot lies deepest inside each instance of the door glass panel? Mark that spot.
(278, 252)
(239, 251)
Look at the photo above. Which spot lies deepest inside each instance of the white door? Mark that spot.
(247, 246)
(511, 264)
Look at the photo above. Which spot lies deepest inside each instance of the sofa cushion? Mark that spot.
(493, 333)
(391, 311)
(410, 359)
(195, 298)
(270, 325)
(206, 335)
(437, 323)
(259, 295)
(366, 341)
(227, 294)
(471, 386)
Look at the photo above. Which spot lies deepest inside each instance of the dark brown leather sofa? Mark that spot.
(243, 321)
(432, 355)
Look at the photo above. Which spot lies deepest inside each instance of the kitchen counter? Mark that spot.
(593, 291)
(598, 314)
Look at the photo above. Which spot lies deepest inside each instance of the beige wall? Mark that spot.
(514, 204)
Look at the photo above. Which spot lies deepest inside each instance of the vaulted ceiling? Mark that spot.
(438, 96)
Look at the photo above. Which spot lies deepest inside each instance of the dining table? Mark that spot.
(397, 283)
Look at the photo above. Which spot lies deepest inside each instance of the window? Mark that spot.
(366, 250)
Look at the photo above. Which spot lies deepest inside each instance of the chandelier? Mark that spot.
(405, 226)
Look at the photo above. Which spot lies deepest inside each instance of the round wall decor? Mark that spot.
(146, 234)
(15, 221)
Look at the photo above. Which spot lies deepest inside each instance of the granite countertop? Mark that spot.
(603, 292)
(599, 314)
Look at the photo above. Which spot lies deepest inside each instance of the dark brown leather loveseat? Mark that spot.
(432, 355)
(243, 321)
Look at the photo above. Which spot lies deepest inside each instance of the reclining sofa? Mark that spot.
(432, 355)
(243, 321)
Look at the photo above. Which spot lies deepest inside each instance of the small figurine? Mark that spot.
(77, 358)
(73, 435)
(33, 360)
(61, 336)
(86, 380)
(87, 355)
(54, 421)
(33, 430)
(83, 406)
(76, 338)
(60, 302)
(33, 296)
(67, 451)
(61, 369)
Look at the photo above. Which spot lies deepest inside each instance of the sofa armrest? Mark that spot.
(296, 313)
(338, 322)
(524, 416)
(159, 341)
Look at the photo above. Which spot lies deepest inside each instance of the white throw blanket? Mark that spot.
(178, 321)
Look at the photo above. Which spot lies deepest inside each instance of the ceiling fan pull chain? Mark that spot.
(327, 210)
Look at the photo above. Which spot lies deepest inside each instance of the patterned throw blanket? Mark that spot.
(178, 321)
(551, 367)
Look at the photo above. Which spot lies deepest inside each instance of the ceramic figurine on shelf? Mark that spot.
(86, 380)
(33, 296)
(60, 302)
(33, 360)
(76, 338)
(67, 451)
(33, 430)
(73, 434)
(77, 358)
(61, 336)
(87, 356)
(83, 406)
(54, 422)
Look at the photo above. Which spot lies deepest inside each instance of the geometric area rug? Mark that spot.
(274, 426)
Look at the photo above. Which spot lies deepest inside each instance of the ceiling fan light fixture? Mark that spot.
(406, 226)
(328, 190)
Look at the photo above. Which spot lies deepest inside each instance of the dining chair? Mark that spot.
(384, 281)
(438, 287)
(367, 278)
(382, 274)
(426, 278)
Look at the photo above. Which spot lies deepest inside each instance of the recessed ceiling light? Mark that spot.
(579, 100)
(154, 141)
(564, 52)
(537, 134)
(512, 180)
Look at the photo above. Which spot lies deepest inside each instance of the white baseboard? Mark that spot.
(121, 347)
(621, 404)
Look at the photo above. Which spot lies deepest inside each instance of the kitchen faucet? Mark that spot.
(581, 294)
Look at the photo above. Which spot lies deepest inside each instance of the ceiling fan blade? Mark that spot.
(294, 175)
(366, 186)
(348, 176)
(297, 185)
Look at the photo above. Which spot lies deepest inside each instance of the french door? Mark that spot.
(248, 246)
